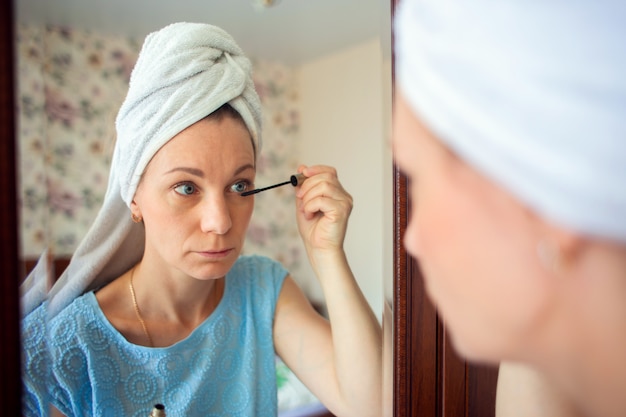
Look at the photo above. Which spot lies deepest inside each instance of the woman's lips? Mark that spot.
(216, 254)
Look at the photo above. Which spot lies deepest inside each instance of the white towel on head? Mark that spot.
(35, 287)
(530, 93)
(184, 72)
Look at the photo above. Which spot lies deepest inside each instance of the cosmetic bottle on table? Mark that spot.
(158, 411)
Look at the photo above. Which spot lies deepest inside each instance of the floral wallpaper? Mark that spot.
(273, 231)
(70, 86)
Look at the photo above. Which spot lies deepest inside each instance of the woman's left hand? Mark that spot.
(323, 208)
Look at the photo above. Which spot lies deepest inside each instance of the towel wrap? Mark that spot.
(532, 94)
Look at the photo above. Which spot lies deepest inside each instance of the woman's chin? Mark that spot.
(470, 346)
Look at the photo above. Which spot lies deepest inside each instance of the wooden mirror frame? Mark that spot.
(10, 394)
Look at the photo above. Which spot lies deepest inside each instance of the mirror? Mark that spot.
(336, 82)
(324, 100)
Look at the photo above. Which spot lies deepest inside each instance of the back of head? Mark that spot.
(530, 93)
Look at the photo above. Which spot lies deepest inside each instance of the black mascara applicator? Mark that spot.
(294, 180)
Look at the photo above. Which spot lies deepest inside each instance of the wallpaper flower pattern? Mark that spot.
(70, 86)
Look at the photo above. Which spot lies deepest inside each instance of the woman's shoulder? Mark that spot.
(39, 327)
(34, 327)
(37, 315)
(79, 311)
(258, 265)
(258, 280)
(81, 303)
(257, 276)
(256, 261)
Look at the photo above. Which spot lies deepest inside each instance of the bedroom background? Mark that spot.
(328, 106)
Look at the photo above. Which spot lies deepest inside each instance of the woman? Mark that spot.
(509, 122)
(157, 305)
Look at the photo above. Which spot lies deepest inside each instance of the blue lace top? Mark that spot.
(224, 367)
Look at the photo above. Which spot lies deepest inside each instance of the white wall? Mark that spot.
(344, 124)
(387, 157)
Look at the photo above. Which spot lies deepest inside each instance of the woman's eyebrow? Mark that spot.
(193, 171)
(243, 168)
(199, 173)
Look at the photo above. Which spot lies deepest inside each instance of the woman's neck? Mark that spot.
(175, 297)
(588, 358)
(169, 307)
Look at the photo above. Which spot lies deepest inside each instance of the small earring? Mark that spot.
(135, 218)
(549, 255)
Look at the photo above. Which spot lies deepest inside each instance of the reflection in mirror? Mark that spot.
(322, 106)
(325, 99)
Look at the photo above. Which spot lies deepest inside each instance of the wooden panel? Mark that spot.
(58, 265)
(467, 389)
(10, 393)
(402, 374)
(481, 390)
(415, 341)
(453, 378)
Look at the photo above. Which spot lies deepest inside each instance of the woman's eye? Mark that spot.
(240, 186)
(185, 188)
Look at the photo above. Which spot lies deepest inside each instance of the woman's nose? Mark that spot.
(216, 216)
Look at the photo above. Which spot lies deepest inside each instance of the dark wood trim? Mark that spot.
(430, 380)
(402, 384)
(10, 394)
(58, 265)
(416, 356)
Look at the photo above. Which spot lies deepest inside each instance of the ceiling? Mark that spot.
(292, 31)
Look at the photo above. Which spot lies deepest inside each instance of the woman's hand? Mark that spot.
(323, 208)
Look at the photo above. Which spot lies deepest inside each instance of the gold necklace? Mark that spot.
(143, 323)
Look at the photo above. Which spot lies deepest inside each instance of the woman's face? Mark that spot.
(189, 198)
(475, 243)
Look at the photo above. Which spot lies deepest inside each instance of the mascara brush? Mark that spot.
(294, 180)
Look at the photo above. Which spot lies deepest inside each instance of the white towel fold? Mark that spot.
(35, 287)
(184, 72)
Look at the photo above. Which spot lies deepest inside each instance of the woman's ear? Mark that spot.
(135, 212)
(558, 248)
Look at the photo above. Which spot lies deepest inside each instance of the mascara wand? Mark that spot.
(294, 180)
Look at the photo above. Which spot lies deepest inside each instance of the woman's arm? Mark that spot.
(340, 360)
